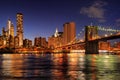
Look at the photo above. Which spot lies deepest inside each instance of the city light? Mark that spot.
(59, 41)
(106, 35)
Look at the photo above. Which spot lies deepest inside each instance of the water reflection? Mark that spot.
(102, 67)
(11, 65)
(59, 66)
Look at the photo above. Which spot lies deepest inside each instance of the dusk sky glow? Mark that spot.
(42, 17)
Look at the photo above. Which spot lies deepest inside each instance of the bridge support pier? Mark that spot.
(91, 47)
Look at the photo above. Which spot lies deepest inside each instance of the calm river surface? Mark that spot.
(59, 66)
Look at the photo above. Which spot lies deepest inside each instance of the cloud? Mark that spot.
(95, 10)
(118, 22)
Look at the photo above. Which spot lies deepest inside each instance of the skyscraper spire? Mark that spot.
(9, 26)
(56, 33)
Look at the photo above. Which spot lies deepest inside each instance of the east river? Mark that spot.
(59, 66)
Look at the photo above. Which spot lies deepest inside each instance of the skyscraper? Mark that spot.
(9, 26)
(10, 30)
(69, 32)
(20, 28)
(8, 35)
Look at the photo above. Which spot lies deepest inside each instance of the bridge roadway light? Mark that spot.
(111, 33)
(81, 40)
(106, 35)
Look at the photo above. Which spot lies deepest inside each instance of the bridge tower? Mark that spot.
(91, 33)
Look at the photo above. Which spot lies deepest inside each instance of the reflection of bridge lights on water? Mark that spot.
(107, 56)
(81, 75)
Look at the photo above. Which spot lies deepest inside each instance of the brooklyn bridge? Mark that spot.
(91, 40)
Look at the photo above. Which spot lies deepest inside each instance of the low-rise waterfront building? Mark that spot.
(103, 45)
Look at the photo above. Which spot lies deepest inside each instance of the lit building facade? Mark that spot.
(27, 43)
(103, 45)
(20, 28)
(40, 42)
(8, 35)
(44, 43)
(12, 30)
(1, 41)
(16, 42)
(118, 45)
(8, 39)
(55, 40)
(69, 32)
(4, 36)
(37, 41)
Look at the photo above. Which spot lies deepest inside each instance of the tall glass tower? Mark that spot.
(20, 29)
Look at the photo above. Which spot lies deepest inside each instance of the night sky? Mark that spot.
(42, 17)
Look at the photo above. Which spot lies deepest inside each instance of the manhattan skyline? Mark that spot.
(41, 18)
